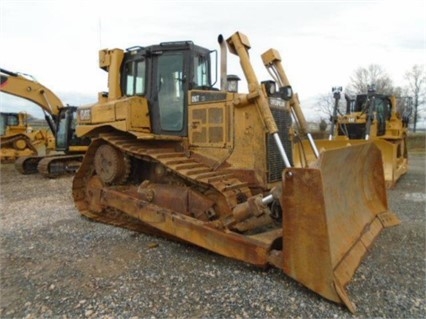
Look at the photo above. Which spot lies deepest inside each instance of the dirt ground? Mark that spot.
(56, 264)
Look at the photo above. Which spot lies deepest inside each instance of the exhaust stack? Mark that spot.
(223, 62)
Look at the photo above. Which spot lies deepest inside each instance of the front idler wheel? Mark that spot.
(111, 164)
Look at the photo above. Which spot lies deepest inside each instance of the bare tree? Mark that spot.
(374, 74)
(416, 81)
(325, 104)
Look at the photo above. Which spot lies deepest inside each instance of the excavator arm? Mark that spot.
(28, 88)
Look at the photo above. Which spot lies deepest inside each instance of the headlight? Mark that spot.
(270, 87)
(286, 92)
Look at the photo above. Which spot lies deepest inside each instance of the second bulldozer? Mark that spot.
(173, 155)
(373, 118)
(18, 139)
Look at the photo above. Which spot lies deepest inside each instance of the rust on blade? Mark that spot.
(327, 232)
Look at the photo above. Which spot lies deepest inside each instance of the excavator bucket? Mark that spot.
(394, 155)
(334, 210)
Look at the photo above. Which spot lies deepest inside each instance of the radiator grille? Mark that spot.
(353, 130)
(276, 165)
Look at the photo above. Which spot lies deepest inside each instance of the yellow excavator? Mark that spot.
(61, 120)
(173, 155)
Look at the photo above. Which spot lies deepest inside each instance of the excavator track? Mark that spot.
(54, 166)
(49, 166)
(27, 164)
(194, 173)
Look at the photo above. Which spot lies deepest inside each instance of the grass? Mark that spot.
(416, 141)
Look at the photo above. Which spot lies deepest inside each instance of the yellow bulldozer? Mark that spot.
(213, 167)
(68, 149)
(18, 139)
(369, 117)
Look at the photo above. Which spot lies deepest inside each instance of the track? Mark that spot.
(191, 172)
(27, 164)
(54, 166)
(50, 166)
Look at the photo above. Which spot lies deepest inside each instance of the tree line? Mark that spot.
(411, 96)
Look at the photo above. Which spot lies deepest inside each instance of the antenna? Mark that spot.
(100, 32)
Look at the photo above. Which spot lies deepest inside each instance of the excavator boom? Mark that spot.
(28, 88)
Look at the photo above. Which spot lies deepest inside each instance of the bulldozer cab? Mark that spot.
(163, 74)
(376, 105)
(11, 123)
(8, 119)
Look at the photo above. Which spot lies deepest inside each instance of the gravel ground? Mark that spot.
(56, 264)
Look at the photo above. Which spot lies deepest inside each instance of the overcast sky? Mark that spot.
(321, 42)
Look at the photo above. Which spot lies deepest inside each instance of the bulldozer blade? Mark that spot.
(394, 160)
(333, 211)
(394, 155)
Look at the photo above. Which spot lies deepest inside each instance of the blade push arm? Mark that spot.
(239, 45)
(272, 61)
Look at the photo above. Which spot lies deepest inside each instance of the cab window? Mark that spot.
(201, 72)
(135, 78)
(170, 91)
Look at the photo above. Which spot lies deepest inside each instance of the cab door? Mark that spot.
(169, 100)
